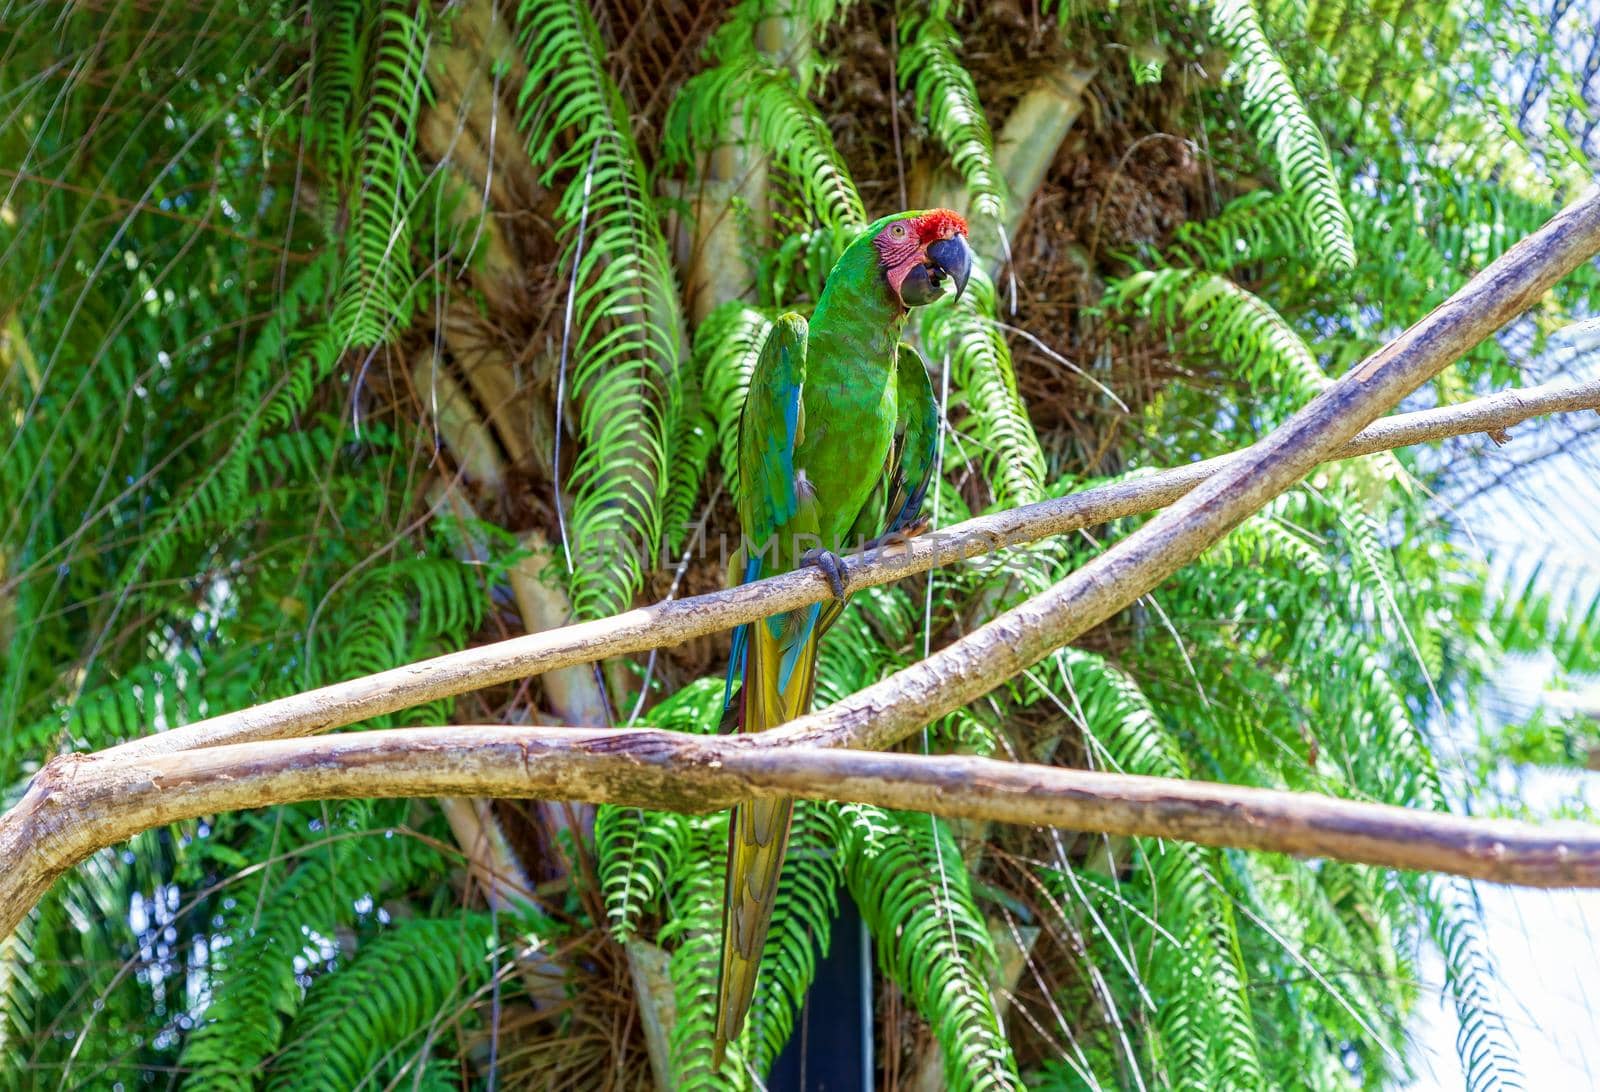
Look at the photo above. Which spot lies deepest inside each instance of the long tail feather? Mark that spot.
(758, 832)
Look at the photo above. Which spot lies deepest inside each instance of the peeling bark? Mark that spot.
(81, 803)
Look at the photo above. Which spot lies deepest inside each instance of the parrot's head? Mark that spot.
(918, 250)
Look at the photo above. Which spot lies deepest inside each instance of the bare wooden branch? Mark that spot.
(81, 803)
(671, 622)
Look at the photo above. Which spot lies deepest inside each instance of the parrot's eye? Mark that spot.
(898, 231)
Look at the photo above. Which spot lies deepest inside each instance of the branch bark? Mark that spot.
(668, 623)
(81, 803)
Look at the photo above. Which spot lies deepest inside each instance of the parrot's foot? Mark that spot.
(832, 568)
(898, 538)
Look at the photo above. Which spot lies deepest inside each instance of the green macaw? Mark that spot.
(836, 448)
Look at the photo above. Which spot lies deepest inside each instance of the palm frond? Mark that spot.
(626, 335)
(639, 850)
(1287, 133)
(965, 331)
(1550, 611)
(272, 923)
(909, 878)
(727, 345)
(947, 97)
(1483, 1041)
(385, 1009)
(1238, 326)
(1202, 1040)
(378, 293)
(694, 931)
(769, 100)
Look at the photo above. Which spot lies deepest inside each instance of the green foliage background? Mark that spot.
(246, 453)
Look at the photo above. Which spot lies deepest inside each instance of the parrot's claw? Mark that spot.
(899, 537)
(831, 565)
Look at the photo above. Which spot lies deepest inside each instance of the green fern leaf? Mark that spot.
(626, 335)
(947, 97)
(1483, 1041)
(339, 53)
(1238, 326)
(694, 932)
(1287, 133)
(980, 365)
(909, 878)
(771, 102)
(400, 989)
(1257, 227)
(253, 986)
(378, 294)
(728, 344)
(692, 442)
(638, 850)
(1204, 1039)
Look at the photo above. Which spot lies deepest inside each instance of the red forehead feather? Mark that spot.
(940, 224)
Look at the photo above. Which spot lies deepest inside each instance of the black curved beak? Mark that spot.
(952, 258)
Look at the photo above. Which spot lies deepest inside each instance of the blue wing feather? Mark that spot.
(741, 639)
(795, 645)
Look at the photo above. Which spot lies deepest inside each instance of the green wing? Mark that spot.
(774, 512)
(771, 426)
(916, 440)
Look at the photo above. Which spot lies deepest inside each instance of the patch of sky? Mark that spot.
(1531, 510)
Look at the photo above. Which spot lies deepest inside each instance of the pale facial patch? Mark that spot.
(899, 252)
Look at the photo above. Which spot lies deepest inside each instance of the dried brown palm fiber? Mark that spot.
(654, 46)
(594, 1041)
